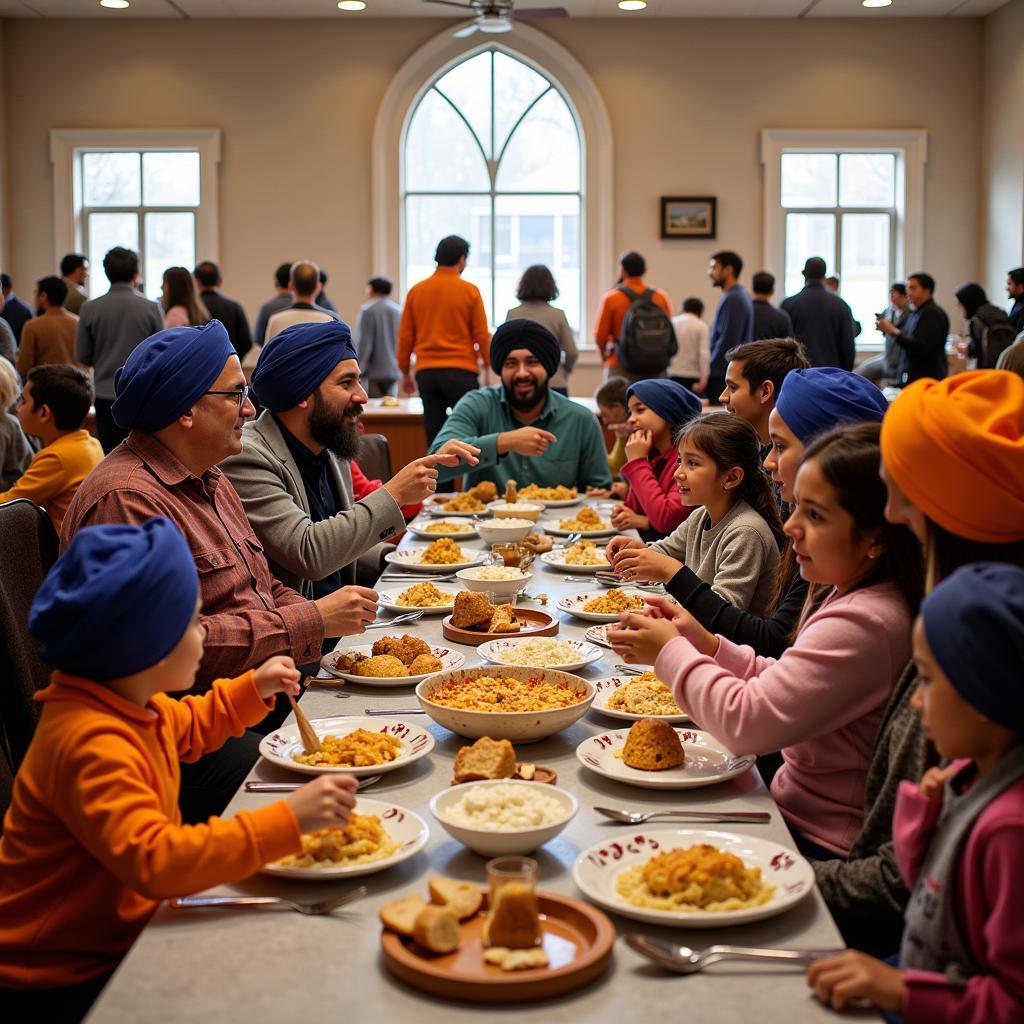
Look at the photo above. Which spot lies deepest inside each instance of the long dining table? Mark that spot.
(259, 964)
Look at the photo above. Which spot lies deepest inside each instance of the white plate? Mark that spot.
(586, 652)
(408, 558)
(551, 526)
(606, 687)
(599, 635)
(553, 559)
(418, 528)
(400, 823)
(561, 503)
(573, 604)
(596, 869)
(707, 761)
(277, 747)
(389, 599)
(449, 659)
(433, 509)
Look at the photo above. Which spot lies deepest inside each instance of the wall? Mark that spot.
(687, 99)
(1003, 146)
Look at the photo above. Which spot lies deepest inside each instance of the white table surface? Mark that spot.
(265, 964)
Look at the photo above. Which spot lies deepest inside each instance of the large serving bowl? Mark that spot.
(505, 843)
(516, 726)
(503, 590)
(517, 510)
(502, 530)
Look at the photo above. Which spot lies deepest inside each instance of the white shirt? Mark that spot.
(279, 321)
(694, 356)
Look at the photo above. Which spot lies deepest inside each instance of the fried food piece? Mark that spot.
(437, 929)
(463, 899)
(510, 493)
(423, 664)
(484, 491)
(381, 666)
(538, 544)
(472, 610)
(348, 662)
(400, 915)
(653, 745)
(485, 759)
(504, 620)
(405, 648)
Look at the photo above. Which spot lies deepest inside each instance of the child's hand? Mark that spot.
(704, 640)
(934, 780)
(599, 492)
(277, 675)
(617, 544)
(855, 975)
(626, 519)
(638, 639)
(644, 563)
(325, 802)
(639, 444)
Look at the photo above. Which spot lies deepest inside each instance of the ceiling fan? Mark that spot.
(497, 15)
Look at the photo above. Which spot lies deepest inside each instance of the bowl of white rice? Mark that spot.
(503, 581)
(501, 817)
(540, 652)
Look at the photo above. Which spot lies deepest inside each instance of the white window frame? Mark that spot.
(910, 149)
(67, 147)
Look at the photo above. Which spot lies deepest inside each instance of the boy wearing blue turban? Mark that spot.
(93, 839)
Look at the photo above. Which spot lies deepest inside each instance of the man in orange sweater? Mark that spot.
(52, 406)
(93, 839)
(445, 325)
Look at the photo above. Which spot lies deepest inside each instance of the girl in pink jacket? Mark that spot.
(958, 835)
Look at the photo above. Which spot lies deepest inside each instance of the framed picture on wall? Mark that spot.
(689, 216)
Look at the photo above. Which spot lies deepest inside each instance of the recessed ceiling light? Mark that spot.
(351, 5)
(115, 5)
(632, 5)
(876, 3)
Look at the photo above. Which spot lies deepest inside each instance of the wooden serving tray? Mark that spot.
(536, 623)
(578, 940)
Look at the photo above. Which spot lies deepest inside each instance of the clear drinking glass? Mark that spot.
(512, 881)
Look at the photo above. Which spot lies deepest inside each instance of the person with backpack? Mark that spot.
(634, 331)
(989, 326)
(734, 318)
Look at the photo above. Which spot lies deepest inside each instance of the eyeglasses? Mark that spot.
(239, 396)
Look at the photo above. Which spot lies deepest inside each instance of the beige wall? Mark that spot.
(1003, 146)
(687, 99)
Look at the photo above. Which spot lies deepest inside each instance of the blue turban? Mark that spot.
(167, 374)
(294, 363)
(814, 400)
(974, 622)
(528, 334)
(117, 601)
(675, 404)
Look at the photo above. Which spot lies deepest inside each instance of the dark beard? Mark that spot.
(329, 429)
(538, 396)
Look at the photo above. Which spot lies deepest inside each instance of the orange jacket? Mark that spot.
(613, 311)
(444, 323)
(93, 839)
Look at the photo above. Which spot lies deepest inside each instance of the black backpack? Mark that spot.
(647, 341)
(997, 335)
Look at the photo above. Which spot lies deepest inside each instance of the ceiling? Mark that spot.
(185, 9)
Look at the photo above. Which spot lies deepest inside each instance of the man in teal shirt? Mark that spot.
(525, 431)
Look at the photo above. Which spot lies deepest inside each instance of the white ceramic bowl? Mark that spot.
(503, 590)
(518, 510)
(505, 531)
(506, 843)
(515, 726)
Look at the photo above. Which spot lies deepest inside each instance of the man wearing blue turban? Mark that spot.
(293, 474)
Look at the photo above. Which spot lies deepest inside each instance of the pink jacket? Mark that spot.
(655, 495)
(820, 704)
(989, 904)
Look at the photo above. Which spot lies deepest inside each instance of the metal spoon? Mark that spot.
(312, 909)
(639, 817)
(262, 786)
(417, 577)
(684, 960)
(628, 670)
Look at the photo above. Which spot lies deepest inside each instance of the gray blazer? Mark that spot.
(299, 550)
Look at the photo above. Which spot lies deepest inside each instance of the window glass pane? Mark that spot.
(428, 219)
(110, 179)
(170, 179)
(866, 271)
(539, 228)
(170, 242)
(517, 86)
(107, 230)
(867, 179)
(468, 86)
(808, 234)
(440, 153)
(544, 151)
(808, 179)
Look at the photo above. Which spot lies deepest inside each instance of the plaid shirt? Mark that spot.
(249, 616)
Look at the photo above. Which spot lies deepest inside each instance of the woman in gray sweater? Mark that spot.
(536, 291)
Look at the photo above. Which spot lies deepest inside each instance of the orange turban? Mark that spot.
(956, 449)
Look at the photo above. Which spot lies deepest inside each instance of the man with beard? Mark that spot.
(293, 475)
(522, 429)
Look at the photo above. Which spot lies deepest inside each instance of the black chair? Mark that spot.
(28, 547)
(375, 457)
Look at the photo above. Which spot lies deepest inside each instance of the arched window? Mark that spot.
(493, 152)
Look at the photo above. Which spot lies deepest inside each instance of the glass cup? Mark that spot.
(513, 915)
(513, 556)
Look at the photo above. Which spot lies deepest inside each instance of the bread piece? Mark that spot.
(472, 610)
(437, 930)
(484, 491)
(463, 899)
(513, 919)
(400, 915)
(524, 959)
(504, 620)
(653, 745)
(485, 759)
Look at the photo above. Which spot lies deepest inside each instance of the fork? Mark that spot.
(265, 786)
(310, 909)
(418, 577)
(684, 960)
(639, 817)
(397, 620)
